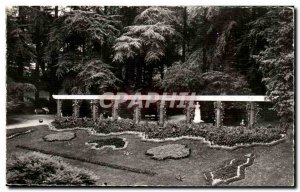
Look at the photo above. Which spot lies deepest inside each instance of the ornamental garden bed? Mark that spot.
(63, 136)
(114, 143)
(170, 151)
(231, 170)
(225, 135)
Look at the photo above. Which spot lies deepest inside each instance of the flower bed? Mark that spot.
(170, 151)
(63, 136)
(230, 171)
(227, 136)
(115, 143)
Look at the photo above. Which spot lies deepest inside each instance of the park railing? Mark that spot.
(161, 100)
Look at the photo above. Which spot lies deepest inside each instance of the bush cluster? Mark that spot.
(225, 135)
(35, 168)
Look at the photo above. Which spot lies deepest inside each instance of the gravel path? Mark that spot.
(21, 121)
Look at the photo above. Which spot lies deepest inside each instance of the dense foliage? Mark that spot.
(38, 169)
(277, 59)
(15, 94)
(208, 50)
(78, 37)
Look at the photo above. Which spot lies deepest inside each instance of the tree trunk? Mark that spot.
(139, 73)
(39, 58)
(37, 72)
(56, 11)
(53, 85)
(161, 70)
(184, 34)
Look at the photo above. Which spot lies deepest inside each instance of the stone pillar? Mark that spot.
(251, 114)
(115, 110)
(189, 112)
(75, 108)
(137, 113)
(94, 109)
(162, 113)
(218, 113)
(59, 114)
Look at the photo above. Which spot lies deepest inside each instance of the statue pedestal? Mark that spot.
(197, 118)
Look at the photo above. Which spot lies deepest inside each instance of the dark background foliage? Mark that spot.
(208, 50)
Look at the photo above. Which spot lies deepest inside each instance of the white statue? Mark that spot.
(197, 118)
(242, 123)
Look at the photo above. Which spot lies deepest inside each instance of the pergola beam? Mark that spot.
(242, 98)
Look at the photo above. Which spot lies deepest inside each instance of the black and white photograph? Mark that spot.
(150, 96)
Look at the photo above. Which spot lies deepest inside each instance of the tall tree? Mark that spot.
(39, 25)
(276, 60)
(79, 38)
(146, 41)
(20, 49)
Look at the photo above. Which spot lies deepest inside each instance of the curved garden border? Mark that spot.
(19, 133)
(240, 174)
(144, 138)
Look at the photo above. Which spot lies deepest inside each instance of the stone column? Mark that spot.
(75, 108)
(218, 113)
(251, 114)
(137, 114)
(59, 114)
(162, 113)
(189, 112)
(94, 109)
(115, 110)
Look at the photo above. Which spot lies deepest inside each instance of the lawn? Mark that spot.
(273, 165)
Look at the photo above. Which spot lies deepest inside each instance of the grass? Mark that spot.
(87, 160)
(273, 165)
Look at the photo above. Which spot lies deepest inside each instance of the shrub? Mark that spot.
(71, 122)
(34, 168)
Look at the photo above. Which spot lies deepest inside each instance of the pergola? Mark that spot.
(116, 99)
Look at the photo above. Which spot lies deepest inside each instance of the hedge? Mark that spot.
(225, 135)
